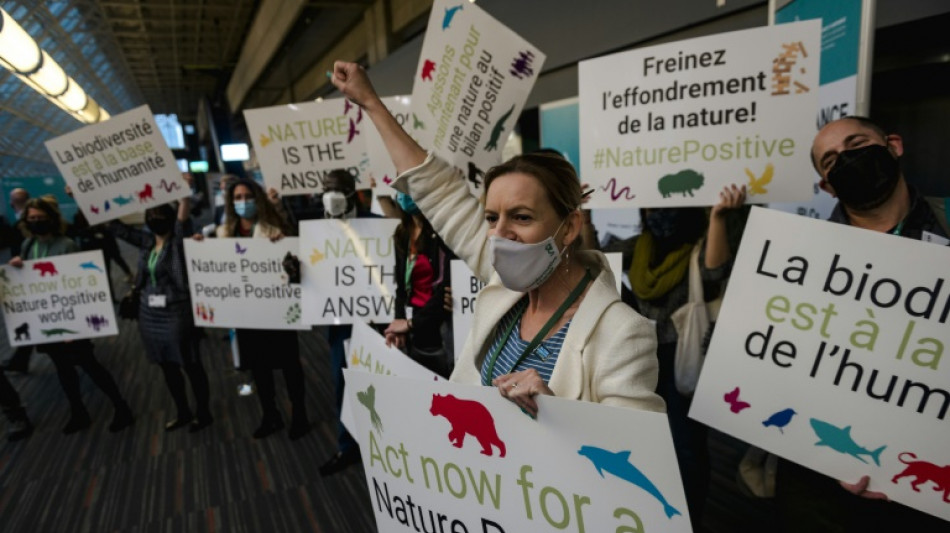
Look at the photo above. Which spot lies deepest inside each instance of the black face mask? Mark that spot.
(40, 227)
(864, 178)
(160, 226)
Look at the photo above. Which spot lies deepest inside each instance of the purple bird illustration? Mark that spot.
(353, 132)
(238, 249)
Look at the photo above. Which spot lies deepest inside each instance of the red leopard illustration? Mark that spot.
(146, 193)
(924, 472)
(45, 267)
(468, 417)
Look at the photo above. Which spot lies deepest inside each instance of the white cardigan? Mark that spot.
(609, 352)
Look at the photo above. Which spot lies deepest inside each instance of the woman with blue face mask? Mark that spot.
(250, 212)
(550, 320)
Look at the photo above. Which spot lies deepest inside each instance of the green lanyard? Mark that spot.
(899, 228)
(571, 298)
(35, 250)
(152, 263)
(410, 264)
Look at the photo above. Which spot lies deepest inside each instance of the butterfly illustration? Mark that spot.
(735, 404)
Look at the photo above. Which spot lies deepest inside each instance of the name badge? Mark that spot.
(936, 239)
(156, 300)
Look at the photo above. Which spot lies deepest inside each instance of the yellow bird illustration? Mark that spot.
(316, 257)
(757, 185)
(265, 140)
(355, 359)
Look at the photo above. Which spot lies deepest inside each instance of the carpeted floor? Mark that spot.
(145, 479)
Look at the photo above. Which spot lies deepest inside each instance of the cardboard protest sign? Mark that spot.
(119, 166)
(465, 288)
(240, 283)
(348, 270)
(297, 145)
(473, 78)
(671, 125)
(455, 457)
(381, 167)
(828, 352)
(55, 299)
(368, 353)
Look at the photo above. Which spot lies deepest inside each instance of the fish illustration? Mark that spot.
(89, 265)
(122, 200)
(496, 131)
(840, 440)
(618, 464)
(368, 399)
(780, 419)
(757, 185)
(353, 132)
(735, 404)
(449, 15)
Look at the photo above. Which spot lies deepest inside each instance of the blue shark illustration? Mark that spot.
(780, 419)
(840, 441)
(122, 200)
(618, 464)
(89, 265)
(449, 14)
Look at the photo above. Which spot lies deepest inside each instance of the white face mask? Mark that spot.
(334, 203)
(524, 267)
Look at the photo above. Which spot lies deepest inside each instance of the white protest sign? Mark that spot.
(466, 453)
(381, 167)
(466, 286)
(55, 299)
(297, 145)
(348, 270)
(465, 289)
(119, 166)
(828, 352)
(671, 125)
(240, 283)
(472, 81)
(369, 353)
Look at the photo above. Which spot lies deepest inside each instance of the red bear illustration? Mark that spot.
(468, 417)
(924, 472)
(45, 267)
(146, 193)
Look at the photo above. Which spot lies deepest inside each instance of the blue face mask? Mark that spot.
(406, 204)
(245, 209)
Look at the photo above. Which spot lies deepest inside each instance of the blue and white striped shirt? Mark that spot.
(542, 359)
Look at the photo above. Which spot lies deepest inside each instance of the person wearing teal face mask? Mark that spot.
(422, 274)
(250, 212)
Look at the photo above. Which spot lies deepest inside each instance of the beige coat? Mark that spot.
(609, 352)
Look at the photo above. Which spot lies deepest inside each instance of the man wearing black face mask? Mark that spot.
(859, 164)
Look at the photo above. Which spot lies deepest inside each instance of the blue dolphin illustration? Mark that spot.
(618, 464)
(449, 14)
(780, 419)
(122, 200)
(840, 440)
(89, 265)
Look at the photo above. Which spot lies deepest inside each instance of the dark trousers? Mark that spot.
(9, 399)
(66, 357)
(263, 351)
(689, 437)
(199, 387)
(336, 336)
